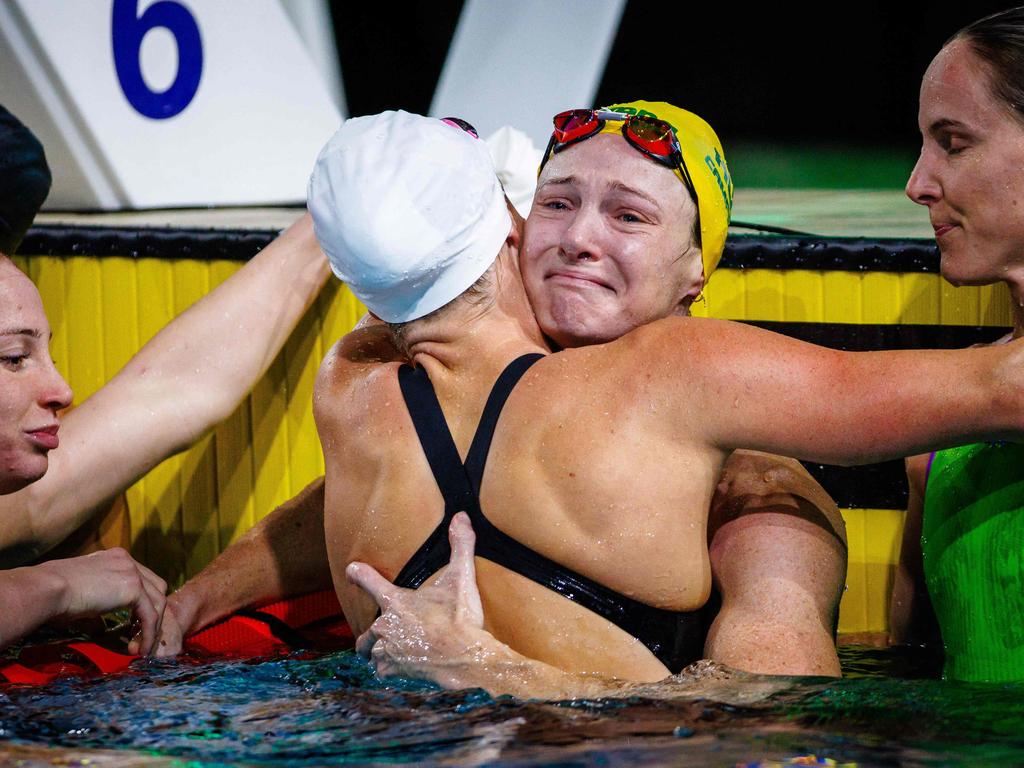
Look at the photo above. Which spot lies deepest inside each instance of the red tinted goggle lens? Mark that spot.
(652, 134)
(576, 124)
(649, 133)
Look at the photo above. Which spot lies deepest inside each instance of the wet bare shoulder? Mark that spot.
(354, 371)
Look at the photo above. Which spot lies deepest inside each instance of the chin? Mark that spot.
(570, 333)
(23, 474)
(957, 274)
(575, 323)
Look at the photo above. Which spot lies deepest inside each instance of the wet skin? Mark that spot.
(969, 172)
(31, 389)
(603, 251)
(609, 248)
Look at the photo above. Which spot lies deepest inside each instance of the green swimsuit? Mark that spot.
(972, 539)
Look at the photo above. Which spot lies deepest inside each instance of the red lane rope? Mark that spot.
(256, 633)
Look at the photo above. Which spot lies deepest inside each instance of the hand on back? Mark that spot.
(430, 633)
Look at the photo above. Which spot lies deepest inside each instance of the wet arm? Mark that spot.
(282, 555)
(189, 377)
(29, 597)
(778, 557)
(911, 616)
(484, 662)
(759, 390)
(81, 586)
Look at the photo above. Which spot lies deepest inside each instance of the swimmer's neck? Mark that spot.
(477, 337)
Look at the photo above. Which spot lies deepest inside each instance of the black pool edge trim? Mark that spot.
(846, 254)
(173, 243)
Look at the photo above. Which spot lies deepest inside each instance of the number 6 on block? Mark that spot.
(127, 32)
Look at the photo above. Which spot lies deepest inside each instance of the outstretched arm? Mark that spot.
(436, 633)
(283, 555)
(778, 557)
(189, 377)
(79, 587)
(759, 390)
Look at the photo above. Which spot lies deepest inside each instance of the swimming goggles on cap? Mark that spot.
(458, 122)
(654, 137)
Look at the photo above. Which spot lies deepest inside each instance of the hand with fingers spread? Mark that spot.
(433, 633)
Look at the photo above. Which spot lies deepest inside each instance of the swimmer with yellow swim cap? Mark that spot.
(652, 263)
(673, 137)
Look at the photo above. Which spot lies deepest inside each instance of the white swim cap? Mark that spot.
(408, 210)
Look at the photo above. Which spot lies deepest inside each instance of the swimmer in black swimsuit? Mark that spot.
(675, 637)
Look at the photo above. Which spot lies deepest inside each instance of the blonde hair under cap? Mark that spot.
(705, 161)
(408, 210)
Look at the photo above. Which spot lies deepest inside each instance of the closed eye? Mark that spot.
(953, 145)
(953, 141)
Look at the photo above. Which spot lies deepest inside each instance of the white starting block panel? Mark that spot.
(520, 63)
(144, 104)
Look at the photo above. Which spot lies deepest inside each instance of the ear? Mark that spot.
(515, 236)
(515, 233)
(692, 285)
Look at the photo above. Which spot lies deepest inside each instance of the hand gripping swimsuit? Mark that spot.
(972, 541)
(676, 638)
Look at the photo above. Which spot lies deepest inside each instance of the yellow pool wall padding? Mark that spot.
(192, 506)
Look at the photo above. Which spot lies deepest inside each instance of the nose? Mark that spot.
(54, 391)
(923, 186)
(581, 239)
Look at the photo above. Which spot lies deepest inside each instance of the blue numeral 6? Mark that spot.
(127, 31)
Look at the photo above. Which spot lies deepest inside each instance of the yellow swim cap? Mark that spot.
(705, 161)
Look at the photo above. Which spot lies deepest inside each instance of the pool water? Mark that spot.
(308, 709)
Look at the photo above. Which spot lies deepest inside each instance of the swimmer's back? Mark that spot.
(583, 469)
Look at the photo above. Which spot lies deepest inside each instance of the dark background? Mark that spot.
(820, 77)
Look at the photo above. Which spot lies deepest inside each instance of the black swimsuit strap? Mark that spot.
(459, 492)
(476, 459)
(676, 638)
(435, 437)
